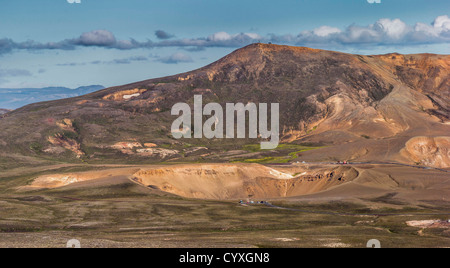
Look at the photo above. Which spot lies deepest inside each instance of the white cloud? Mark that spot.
(125, 44)
(442, 22)
(97, 38)
(357, 34)
(325, 31)
(439, 29)
(220, 36)
(224, 36)
(395, 29)
(427, 29)
(253, 36)
(382, 32)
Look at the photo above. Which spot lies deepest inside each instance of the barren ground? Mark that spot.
(126, 206)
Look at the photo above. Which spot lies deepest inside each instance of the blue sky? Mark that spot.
(54, 43)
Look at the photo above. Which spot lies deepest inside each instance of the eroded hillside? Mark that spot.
(360, 107)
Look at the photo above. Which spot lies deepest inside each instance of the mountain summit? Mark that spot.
(363, 108)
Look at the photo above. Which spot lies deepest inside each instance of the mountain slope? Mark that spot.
(362, 107)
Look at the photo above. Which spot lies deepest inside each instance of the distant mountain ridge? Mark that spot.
(4, 111)
(13, 98)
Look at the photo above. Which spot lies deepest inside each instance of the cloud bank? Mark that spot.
(128, 60)
(384, 32)
(175, 59)
(13, 73)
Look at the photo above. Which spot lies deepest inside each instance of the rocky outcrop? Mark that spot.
(65, 139)
(126, 147)
(70, 144)
(429, 151)
(157, 152)
(124, 95)
(146, 150)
